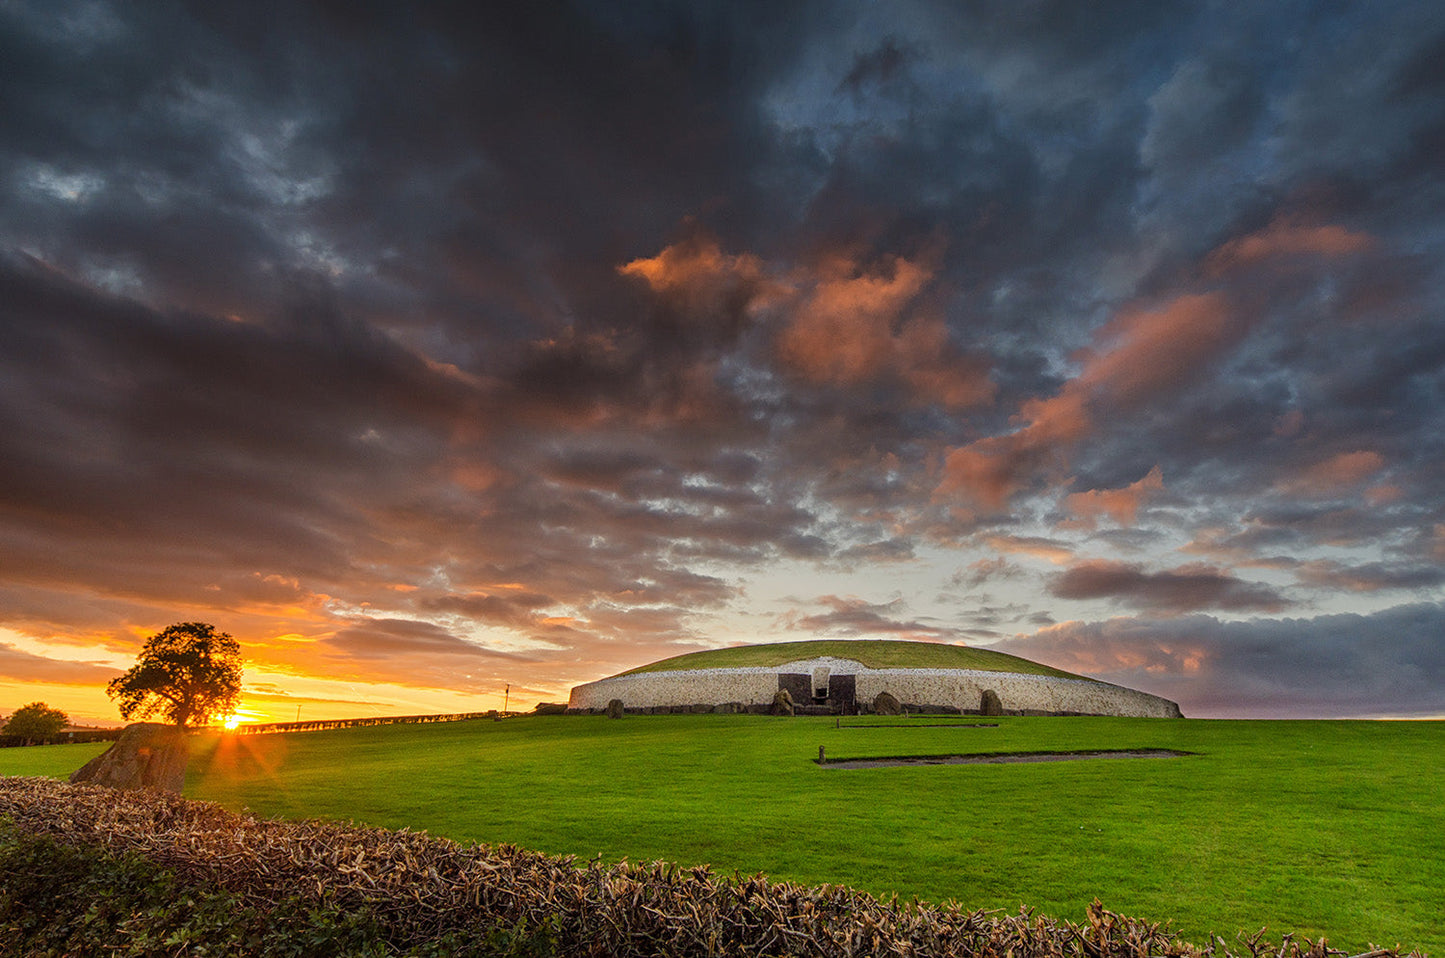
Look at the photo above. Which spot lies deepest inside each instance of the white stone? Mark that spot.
(958, 688)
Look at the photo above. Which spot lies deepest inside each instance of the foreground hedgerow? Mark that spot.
(202, 880)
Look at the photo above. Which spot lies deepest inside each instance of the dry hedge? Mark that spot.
(421, 888)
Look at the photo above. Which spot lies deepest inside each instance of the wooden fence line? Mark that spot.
(110, 735)
(320, 724)
(62, 738)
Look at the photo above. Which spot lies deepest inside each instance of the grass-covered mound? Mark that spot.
(872, 653)
(89, 870)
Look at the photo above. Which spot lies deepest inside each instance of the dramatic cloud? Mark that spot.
(1186, 588)
(852, 617)
(1121, 505)
(19, 666)
(436, 350)
(1384, 664)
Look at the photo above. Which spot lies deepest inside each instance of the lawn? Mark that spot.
(871, 653)
(1331, 828)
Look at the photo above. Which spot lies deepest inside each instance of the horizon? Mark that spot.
(450, 356)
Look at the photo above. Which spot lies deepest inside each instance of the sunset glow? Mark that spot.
(450, 356)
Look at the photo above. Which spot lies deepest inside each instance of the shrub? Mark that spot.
(93, 867)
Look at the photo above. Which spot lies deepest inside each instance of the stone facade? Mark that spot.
(946, 689)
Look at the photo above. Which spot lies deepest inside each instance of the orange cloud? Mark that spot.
(1114, 647)
(695, 265)
(1284, 237)
(843, 331)
(1122, 505)
(1186, 588)
(1337, 474)
(1143, 353)
(851, 326)
(1138, 356)
(841, 324)
(1046, 549)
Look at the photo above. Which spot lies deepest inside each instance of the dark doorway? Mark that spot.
(843, 694)
(798, 686)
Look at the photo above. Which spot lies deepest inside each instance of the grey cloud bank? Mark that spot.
(413, 343)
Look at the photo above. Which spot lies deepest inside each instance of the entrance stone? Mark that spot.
(989, 703)
(782, 703)
(886, 704)
(615, 709)
(147, 755)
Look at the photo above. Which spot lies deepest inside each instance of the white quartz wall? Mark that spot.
(951, 687)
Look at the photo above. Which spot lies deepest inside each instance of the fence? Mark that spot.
(266, 727)
(62, 738)
(111, 734)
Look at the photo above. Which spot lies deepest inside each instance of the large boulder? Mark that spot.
(615, 709)
(885, 704)
(147, 755)
(782, 703)
(989, 703)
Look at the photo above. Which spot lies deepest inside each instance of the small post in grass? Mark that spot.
(822, 755)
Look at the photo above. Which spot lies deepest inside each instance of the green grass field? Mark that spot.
(872, 653)
(1317, 828)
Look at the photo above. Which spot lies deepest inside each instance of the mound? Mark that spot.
(845, 677)
(870, 653)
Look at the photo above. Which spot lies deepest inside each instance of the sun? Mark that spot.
(230, 722)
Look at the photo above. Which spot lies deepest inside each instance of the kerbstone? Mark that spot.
(962, 689)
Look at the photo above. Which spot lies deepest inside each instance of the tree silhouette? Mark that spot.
(35, 722)
(188, 672)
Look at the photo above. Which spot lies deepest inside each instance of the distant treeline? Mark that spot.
(62, 738)
(111, 734)
(360, 722)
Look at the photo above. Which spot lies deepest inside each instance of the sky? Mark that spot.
(448, 355)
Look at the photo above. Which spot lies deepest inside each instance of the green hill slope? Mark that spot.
(874, 654)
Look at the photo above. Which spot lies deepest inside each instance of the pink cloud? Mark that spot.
(843, 330)
(1138, 356)
(1284, 237)
(698, 264)
(1187, 588)
(1143, 353)
(852, 325)
(1121, 505)
(1049, 550)
(1339, 473)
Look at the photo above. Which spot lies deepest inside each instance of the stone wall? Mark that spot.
(947, 688)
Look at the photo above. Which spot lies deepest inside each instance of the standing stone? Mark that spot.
(614, 709)
(886, 704)
(147, 755)
(782, 703)
(990, 704)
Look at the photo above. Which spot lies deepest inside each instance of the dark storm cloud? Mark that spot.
(388, 638)
(1385, 663)
(559, 321)
(849, 616)
(26, 667)
(1371, 577)
(1187, 588)
(413, 653)
(984, 571)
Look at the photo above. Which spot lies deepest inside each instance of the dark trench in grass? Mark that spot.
(995, 758)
